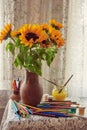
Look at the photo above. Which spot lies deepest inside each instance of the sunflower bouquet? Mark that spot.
(32, 43)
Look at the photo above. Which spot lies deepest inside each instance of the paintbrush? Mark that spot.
(65, 83)
(58, 85)
(51, 82)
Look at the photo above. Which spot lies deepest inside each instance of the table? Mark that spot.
(10, 121)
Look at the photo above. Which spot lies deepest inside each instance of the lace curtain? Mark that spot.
(76, 49)
(71, 59)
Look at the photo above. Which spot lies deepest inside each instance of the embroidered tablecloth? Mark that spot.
(10, 121)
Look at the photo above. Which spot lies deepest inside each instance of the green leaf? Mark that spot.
(17, 41)
(29, 59)
(38, 71)
(50, 54)
(11, 47)
(19, 61)
(34, 65)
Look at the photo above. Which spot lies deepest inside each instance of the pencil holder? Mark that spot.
(16, 90)
(15, 96)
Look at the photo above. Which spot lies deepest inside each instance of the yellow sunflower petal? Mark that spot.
(44, 26)
(55, 23)
(5, 32)
(14, 33)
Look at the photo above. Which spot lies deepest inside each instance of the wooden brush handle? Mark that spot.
(65, 83)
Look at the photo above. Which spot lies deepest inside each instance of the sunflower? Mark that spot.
(56, 36)
(56, 24)
(31, 34)
(5, 32)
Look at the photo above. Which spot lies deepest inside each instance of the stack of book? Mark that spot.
(50, 109)
(58, 108)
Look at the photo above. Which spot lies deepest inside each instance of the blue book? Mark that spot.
(52, 114)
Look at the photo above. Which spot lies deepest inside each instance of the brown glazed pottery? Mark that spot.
(31, 91)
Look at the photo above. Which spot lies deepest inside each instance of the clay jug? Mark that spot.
(31, 91)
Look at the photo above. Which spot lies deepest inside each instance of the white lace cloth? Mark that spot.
(10, 121)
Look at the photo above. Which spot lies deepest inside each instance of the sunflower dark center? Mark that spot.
(31, 35)
(44, 42)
